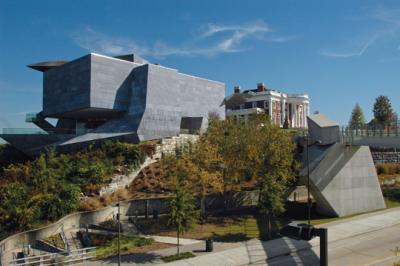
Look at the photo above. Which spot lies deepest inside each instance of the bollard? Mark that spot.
(209, 245)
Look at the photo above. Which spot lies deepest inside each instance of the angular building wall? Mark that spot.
(90, 86)
(345, 182)
(170, 96)
(104, 97)
(110, 82)
(67, 88)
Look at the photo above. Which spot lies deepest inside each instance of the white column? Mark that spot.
(304, 115)
(270, 108)
(293, 115)
(283, 111)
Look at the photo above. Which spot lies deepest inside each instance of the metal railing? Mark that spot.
(45, 131)
(390, 130)
(23, 131)
(64, 258)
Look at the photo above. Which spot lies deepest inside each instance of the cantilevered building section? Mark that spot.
(97, 97)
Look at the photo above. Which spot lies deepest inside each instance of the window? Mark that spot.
(248, 105)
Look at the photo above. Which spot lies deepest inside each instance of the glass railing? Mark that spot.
(23, 131)
(390, 130)
(30, 117)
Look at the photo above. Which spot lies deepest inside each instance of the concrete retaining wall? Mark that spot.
(139, 207)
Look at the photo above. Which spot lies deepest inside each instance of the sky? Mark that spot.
(339, 52)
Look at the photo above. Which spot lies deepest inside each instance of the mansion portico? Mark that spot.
(276, 104)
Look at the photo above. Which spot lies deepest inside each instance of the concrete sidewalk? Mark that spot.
(173, 240)
(257, 251)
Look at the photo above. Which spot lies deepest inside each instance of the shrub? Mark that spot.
(49, 187)
(392, 193)
(182, 256)
(388, 168)
(90, 204)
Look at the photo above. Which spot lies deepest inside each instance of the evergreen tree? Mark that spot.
(382, 110)
(357, 117)
(286, 123)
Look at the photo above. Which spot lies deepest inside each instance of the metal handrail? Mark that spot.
(69, 258)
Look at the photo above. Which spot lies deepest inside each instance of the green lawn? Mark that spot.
(242, 226)
(232, 228)
(389, 204)
(127, 244)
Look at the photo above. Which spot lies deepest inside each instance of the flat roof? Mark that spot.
(322, 120)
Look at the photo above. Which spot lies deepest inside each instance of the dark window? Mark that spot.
(248, 105)
(260, 104)
(191, 125)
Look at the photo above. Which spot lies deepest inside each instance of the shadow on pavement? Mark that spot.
(133, 258)
(280, 250)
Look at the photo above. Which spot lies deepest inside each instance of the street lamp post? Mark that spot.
(119, 233)
(308, 183)
(307, 231)
(307, 138)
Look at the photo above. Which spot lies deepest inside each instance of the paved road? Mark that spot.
(374, 248)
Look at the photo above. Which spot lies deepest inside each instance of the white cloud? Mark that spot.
(356, 53)
(213, 39)
(391, 21)
(95, 41)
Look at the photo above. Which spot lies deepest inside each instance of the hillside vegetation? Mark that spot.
(35, 192)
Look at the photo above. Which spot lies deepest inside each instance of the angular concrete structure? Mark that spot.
(323, 129)
(97, 97)
(343, 179)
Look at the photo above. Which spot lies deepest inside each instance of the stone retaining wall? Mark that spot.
(386, 157)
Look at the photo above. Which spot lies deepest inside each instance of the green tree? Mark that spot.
(253, 150)
(357, 119)
(204, 172)
(182, 212)
(230, 138)
(271, 200)
(14, 214)
(382, 110)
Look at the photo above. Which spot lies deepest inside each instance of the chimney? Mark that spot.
(260, 87)
(236, 89)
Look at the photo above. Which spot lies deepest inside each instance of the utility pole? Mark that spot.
(119, 234)
(308, 183)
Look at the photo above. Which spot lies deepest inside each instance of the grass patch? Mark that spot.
(390, 203)
(232, 228)
(245, 225)
(128, 244)
(182, 256)
(56, 241)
